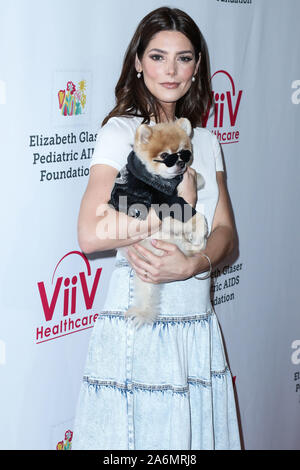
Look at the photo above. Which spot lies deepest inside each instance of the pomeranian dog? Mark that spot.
(152, 177)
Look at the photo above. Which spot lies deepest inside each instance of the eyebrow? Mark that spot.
(165, 52)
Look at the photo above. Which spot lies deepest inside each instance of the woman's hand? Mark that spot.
(173, 265)
(187, 189)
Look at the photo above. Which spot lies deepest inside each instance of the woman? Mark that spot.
(164, 386)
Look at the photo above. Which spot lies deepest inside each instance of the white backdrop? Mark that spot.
(51, 293)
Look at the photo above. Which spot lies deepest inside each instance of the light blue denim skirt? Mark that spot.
(165, 386)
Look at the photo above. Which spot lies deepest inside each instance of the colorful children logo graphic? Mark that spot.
(72, 100)
(67, 443)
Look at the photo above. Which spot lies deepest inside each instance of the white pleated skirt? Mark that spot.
(165, 386)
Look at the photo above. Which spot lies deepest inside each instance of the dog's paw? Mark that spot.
(196, 230)
(200, 181)
(195, 239)
(140, 317)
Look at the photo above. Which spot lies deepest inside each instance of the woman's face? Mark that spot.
(168, 65)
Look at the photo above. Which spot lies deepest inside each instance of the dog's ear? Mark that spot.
(143, 134)
(185, 124)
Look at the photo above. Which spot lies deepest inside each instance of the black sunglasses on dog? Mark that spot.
(169, 159)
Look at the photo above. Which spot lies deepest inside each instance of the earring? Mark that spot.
(139, 75)
(193, 79)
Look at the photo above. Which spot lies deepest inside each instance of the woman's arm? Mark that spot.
(102, 228)
(178, 266)
(223, 235)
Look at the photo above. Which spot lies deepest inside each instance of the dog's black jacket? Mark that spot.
(139, 189)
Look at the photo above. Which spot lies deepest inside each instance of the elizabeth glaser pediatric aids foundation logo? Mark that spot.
(59, 301)
(72, 99)
(66, 444)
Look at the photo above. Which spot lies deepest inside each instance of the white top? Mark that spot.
(115, 140)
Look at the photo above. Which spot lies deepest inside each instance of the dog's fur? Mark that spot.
(147, 183)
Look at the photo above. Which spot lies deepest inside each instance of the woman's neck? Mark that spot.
(167, 114)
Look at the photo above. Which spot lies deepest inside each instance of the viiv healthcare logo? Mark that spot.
(71, 93)
(59, 300)
(224, 121)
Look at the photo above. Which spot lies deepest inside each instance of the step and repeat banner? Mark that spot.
(59, 63)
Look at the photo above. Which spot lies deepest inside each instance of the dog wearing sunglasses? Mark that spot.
(152, 177)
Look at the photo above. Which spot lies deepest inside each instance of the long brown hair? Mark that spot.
(133, 97)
